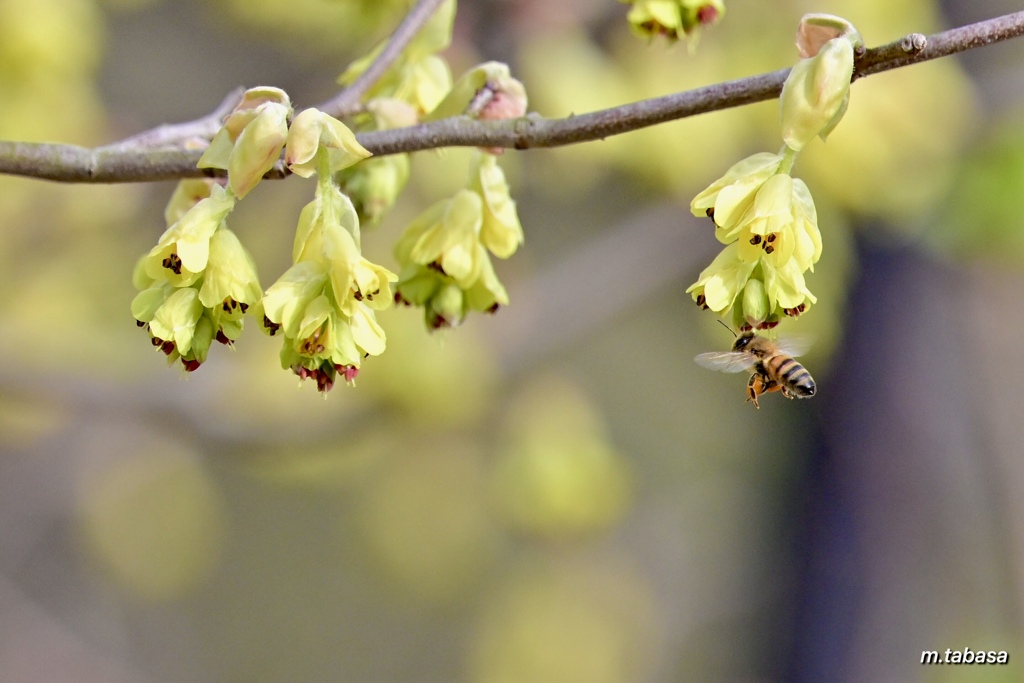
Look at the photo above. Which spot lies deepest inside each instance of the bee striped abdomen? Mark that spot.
(793, 376)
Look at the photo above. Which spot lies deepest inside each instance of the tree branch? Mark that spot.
(347, 101)
(69, 163)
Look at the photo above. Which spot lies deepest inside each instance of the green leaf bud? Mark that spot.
(374, 185)
(487, 91)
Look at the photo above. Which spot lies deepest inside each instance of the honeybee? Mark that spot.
(773, 365)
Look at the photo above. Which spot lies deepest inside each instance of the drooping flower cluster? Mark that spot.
(198, 281)
(673, 19)
(323, 306)
(444, 254)
(764, 216)
(768, 221)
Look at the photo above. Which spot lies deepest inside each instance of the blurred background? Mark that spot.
(556, 493)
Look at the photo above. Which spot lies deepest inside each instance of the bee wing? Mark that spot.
(794, 346)
(726, 361)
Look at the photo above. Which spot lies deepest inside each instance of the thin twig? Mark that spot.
(348, 99)
(178, 135)
(69, 163)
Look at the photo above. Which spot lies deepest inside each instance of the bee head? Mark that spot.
(742, 341)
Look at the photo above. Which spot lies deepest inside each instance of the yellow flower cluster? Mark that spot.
(764, 216)
(198, 281)
(673, 19)
(444, 254)
(324, 305)
(768, 222)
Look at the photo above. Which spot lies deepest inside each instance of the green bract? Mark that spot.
(756, 307)
(313, 132)
(250, 142)
(375, 184)
(816, 93)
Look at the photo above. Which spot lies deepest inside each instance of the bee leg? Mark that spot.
(787, 393)
(754, 387)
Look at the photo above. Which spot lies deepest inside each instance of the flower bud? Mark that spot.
(250, 141)
(417, 285)
(816, 93)
(313, 131)
(817, 29)
(375, 184)
(487, 91)
(755, 302)
(447, 307)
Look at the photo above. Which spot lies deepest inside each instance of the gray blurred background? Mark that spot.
(556, 493)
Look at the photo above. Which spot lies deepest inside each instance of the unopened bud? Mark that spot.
(815, 94)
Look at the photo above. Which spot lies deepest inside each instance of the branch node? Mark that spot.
(914, 43)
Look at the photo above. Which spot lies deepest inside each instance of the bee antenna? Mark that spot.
(722, 323)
